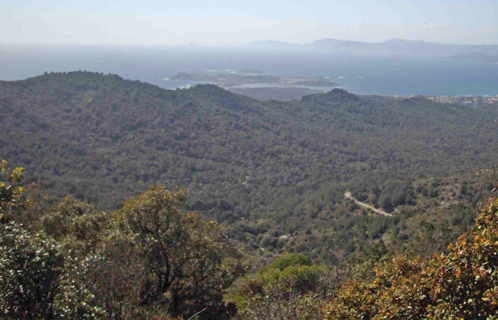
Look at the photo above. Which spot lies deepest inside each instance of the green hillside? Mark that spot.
(275, 172)
(138, 202)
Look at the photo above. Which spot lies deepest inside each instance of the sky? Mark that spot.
(233, 22)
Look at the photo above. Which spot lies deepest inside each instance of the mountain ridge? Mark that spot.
(394, 46)
(276, 167)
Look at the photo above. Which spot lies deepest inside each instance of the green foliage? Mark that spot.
(287, 287)
(30, 265)
(74, 223)
(105, 284)
(186, 262)
(285, 165)
(149, 259)
(290, 260)
(299, 278)
(290, 272)
(275, 172)
(11, 193)
(460, 285)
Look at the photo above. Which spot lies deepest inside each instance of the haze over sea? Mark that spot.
(386, 75)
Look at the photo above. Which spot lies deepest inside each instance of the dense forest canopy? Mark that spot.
(268, 169)
(97, 222)
(151, 259)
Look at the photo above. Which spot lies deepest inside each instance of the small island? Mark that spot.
(250, 71)
(261, 85)
(183, 76)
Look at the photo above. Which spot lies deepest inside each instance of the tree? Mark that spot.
(186, 259)
(11, 193)
(386, 203)
(288, 288)
(74, 224)
(148, 259)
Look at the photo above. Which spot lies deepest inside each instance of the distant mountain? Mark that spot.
(389, 47)
(340, 46)
(400, 47)
(274, 45)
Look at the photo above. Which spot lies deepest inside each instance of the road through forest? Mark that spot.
(364, 205)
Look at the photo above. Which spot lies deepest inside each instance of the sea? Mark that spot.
(382, 75)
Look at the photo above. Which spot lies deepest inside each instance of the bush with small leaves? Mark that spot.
(75, 224)
(11, 193)
(30, 265)
(286, 288)
(460, 285)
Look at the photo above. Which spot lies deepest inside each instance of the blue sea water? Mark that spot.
(358, 74)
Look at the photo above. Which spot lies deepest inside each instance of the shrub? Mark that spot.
(30, 265)
(460, 285)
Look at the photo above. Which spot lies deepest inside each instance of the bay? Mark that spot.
(385, 75)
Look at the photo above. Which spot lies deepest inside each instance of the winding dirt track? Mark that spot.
(364, 205)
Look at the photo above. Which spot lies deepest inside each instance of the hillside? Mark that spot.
(268, 169)
(273, 93)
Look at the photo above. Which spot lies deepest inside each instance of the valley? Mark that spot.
(322, 188)
(266, 169)
(235, 160)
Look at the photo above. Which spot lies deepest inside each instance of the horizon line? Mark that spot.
(230, 45)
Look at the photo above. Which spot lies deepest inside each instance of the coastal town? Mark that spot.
(473, 101)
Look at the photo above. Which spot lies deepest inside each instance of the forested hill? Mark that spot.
(101, 138)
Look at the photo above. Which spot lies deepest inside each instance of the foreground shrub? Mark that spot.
(30, 265)
(460, 285)
(148, 260)
(11, 192)
(187, 262)
(291, 287)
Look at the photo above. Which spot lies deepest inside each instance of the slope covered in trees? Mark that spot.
(276, 172)
(462, 284)
(152, 259)
(149, 259)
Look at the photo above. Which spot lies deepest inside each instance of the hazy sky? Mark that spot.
(222, 22)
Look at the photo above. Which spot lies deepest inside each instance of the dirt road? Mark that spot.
(364, 205)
